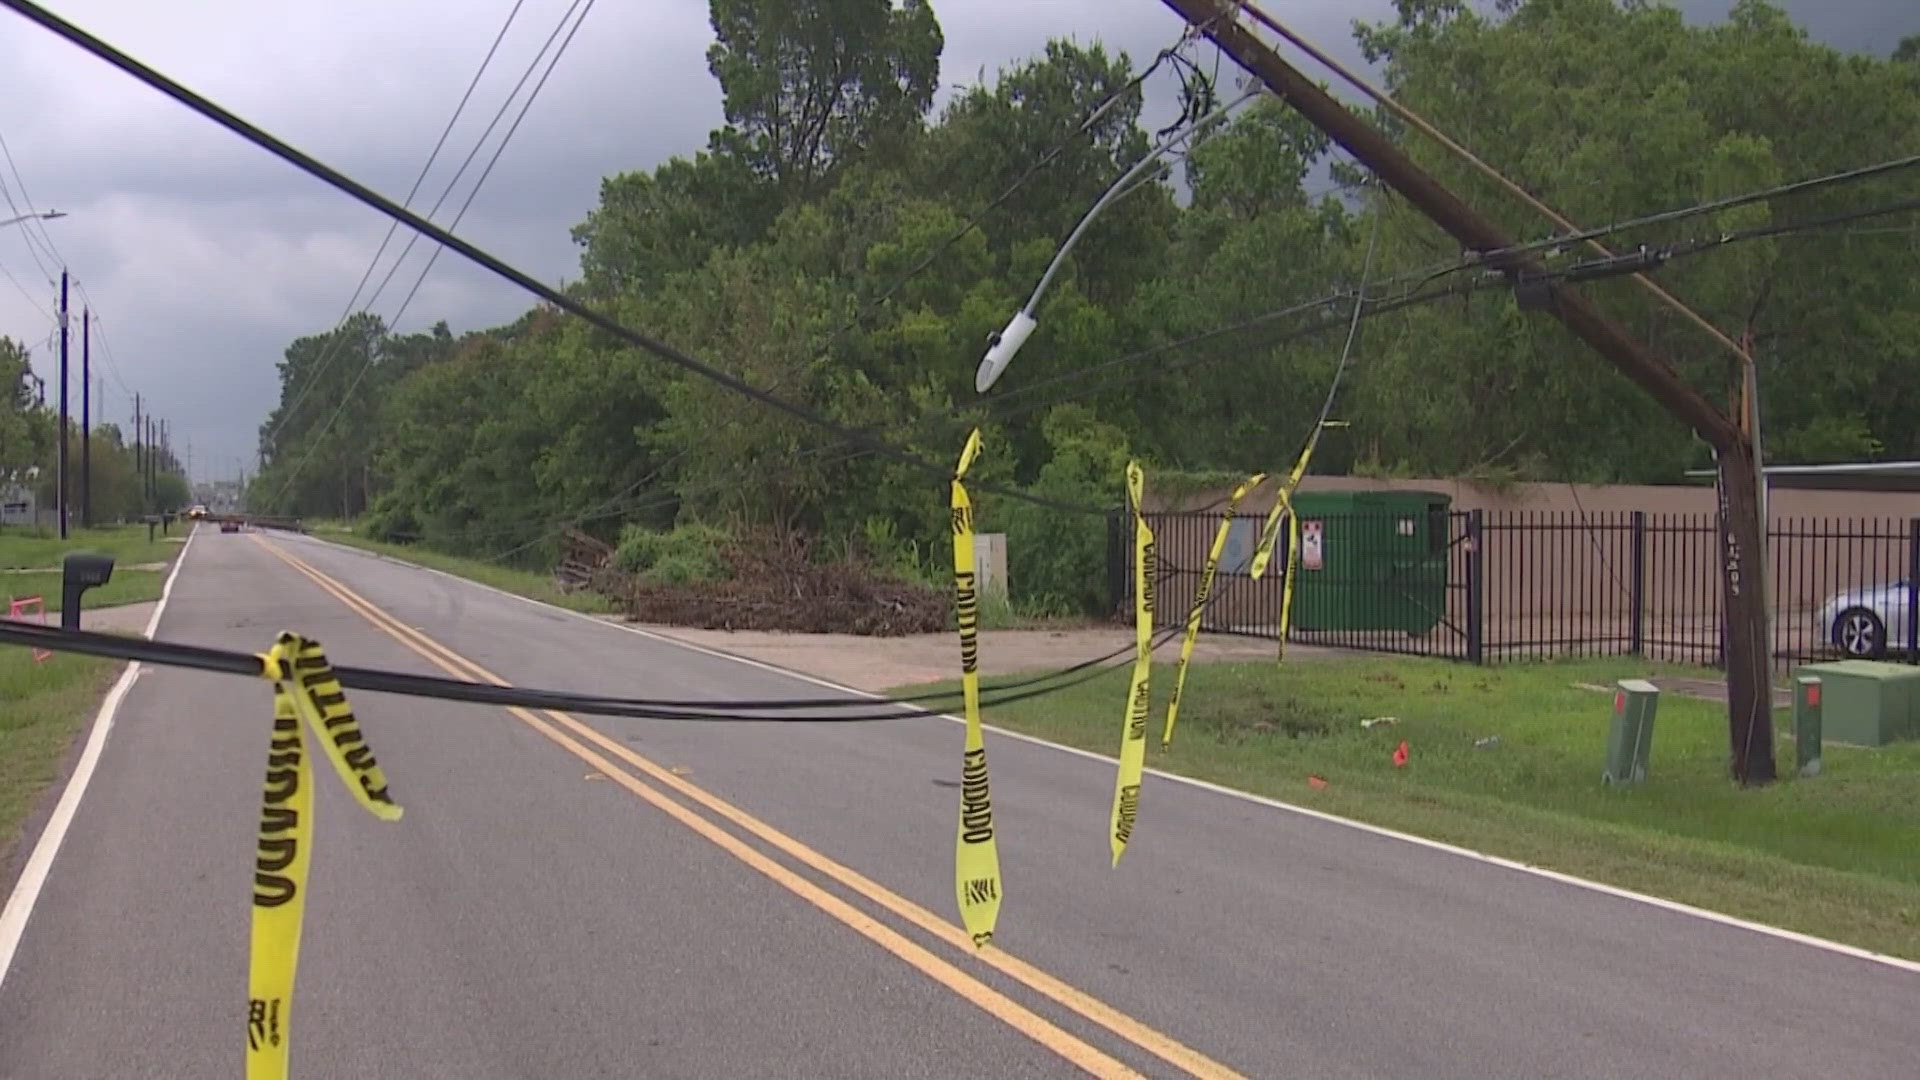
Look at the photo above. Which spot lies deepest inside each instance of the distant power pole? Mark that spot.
(139, 444)
(60, 481)
(86, 417)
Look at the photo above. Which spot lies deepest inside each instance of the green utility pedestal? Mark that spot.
(1630, 741)
(1866, 702)
(1806, 723)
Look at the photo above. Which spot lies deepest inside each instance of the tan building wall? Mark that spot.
(1574, 498)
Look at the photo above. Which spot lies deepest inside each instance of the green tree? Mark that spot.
(457, 449)
(1056, 561)
(317, 448)
(1252, 240)
(809, 84)
(19, 448)
(991, 135)
(650, 226)
(1539, 88)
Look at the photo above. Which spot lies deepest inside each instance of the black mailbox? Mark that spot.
(83, 570)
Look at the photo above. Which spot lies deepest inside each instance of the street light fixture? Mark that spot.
(1003, 344)
(44, 215)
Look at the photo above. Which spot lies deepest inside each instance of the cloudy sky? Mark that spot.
(205, 257)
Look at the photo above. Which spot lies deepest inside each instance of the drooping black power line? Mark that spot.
(315, 439)
(319, 170)
(326, 358)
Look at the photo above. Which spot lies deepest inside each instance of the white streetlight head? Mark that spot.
(1000, 350)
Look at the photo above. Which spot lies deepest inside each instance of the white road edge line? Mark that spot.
(1321, 815)
(33, 876)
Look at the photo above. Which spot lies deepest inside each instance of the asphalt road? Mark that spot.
(532, 917)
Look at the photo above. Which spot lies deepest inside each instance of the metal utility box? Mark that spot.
(990, 563)
(1867, 702)
(1630, 739)
(1372, 560)
(1807, 725)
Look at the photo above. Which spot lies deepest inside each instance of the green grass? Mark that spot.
(1833, 855)
(46, 705)
(997, 612)
(25, 549)
(127, 587)
(526, 583)
(43, 706)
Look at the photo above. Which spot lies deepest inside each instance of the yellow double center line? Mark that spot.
(579, 739)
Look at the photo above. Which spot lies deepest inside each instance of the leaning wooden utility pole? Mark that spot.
(1747, 650)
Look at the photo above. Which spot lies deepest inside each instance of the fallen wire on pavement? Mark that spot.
(252, 665)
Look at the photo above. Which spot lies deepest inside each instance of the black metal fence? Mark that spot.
(1483, 587)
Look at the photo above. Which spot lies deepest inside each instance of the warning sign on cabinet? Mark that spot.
(1312, 551)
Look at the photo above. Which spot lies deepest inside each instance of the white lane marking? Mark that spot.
(33, 877)
(1320, 815)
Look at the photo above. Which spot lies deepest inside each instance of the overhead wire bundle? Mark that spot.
(314, 441)
(237, 663)
(861, 441)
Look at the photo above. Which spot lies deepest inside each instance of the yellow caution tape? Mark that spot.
(280, 862)
(1200, 604)
(1282, 502)
(323, 705)
(1133, 739)
(306, 695)
(1292, 575)
(976, 856)
(1270, 533)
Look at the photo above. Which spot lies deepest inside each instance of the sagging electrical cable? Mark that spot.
(495, 265)
(1044, 161)
(1715, 206)
(316, 438)
(1003, 345)
(327, 357)
(249, 665)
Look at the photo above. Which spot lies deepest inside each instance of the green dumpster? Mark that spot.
(1372, 560)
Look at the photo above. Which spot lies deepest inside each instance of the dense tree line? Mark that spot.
(29, 450)
(811, 249)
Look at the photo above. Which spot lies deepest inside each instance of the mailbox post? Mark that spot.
(82, 570)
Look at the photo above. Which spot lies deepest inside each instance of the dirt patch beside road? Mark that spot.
(119, 619)
(875, 664)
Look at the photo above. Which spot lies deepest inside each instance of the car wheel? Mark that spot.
(1860, 634)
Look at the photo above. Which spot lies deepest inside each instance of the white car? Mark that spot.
(1866, 623)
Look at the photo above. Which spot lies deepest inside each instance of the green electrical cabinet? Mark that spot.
(1372, 560)
(1867, 702)
(1630, 738)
